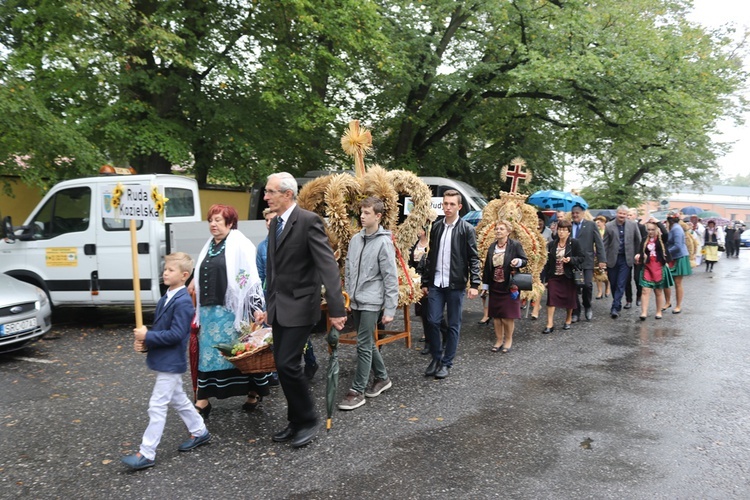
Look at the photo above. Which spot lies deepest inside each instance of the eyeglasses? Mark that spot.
(273, 191)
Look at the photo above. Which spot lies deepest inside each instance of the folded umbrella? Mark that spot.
(332, 375)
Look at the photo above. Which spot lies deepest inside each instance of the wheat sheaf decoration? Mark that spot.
(511, 207)
(337, 196)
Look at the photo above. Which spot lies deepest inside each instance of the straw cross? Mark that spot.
(516, 174)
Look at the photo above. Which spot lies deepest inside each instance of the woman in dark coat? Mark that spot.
(563, 255)
(503, 255)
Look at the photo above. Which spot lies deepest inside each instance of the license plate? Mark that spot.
(17, 326)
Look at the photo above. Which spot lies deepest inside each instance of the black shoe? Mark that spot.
(442, 372)
(432, 368)
(614, 314)
(310, 371)
(638, 302)
(283, 436)
(251, 405)
(589, 314)
(549, 329)
(627, 305)
(304, 435)
(574, 318)
(485, 322)
(274, 380)
(205, 411)
(566, 326)
(425, 349)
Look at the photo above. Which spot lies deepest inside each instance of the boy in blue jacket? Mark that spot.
(166, 343)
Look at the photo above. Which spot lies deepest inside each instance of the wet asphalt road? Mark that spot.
(609, 409)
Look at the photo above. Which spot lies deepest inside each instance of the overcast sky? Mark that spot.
(714, 13)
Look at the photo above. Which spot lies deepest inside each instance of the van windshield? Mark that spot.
(476, 196)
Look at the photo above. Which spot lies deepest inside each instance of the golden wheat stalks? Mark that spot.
(356, 142)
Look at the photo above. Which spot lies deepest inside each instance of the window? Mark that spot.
(68, 211)
(180, 202)
(110, 224)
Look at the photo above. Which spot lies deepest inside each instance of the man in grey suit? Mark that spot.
(622, 241)
(588, 237)
(299, 260)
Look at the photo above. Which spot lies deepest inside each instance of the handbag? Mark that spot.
(578, 277)
(521, 280)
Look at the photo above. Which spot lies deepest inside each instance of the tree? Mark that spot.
(627, 91)
(230, 90)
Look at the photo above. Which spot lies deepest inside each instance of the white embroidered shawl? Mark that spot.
(244, 293)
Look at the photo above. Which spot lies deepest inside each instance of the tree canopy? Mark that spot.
(628, 93)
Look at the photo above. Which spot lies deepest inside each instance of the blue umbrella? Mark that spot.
(691, 210)
(473, 217)
(557, 200)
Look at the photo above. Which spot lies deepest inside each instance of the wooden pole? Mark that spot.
(136, 274)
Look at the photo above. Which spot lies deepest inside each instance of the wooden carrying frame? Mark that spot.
(381, 336)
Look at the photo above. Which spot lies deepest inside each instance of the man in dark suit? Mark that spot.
(299, 260)
(622, 241)
(636, 271)
(588, 237)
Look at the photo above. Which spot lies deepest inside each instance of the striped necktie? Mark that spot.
(279, 229)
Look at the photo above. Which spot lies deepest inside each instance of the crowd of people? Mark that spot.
(279, 285)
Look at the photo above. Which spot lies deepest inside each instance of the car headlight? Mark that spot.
(43, 300)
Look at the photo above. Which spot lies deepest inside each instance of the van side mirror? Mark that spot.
(8, 230)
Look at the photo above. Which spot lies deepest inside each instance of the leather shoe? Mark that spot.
(549, 329)
(137, 461)
(432, 368)
(304, 435)
(589, 314)
(566, 326)
(614, 314)
(627, 305)
(442, 372)
(638, 302)
(195, 441)
(425, 349)
(283, 436)
(574, 318)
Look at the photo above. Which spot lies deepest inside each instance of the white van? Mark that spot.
(72, 248)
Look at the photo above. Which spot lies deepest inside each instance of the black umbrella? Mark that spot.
(333, 374)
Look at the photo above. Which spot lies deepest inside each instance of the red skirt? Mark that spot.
(561, 292)
(500, 305)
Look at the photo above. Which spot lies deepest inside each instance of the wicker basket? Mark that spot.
(260, 361)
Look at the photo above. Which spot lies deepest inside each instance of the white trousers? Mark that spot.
(168, 391)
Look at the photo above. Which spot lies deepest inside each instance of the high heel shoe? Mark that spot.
(666, 307)
(484, 321)
(252, 405)
(205, 411)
